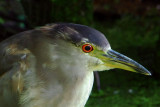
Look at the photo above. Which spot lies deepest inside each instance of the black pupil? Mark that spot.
(87, 48)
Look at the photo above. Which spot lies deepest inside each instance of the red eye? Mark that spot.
(87, 48)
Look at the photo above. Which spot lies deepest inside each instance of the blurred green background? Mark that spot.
(131, 26)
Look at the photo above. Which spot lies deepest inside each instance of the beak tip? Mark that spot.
(148, 73)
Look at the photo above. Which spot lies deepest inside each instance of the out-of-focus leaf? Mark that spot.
(2, 20)
(22, 25)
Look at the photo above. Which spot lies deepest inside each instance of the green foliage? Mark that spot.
(74, 11)
(22, 17)
(128, 92)
(1, 20)
(141, 97)
(132, 31)
(21, 25)
(117, 1)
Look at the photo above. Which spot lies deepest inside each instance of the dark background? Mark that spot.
(131, 26)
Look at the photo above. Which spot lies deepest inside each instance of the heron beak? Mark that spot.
(114, 59)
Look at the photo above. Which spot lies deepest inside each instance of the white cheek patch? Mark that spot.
(96, 64)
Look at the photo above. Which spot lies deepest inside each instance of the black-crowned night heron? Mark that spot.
(52, 66)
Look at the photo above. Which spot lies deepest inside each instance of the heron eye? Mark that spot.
(87, 48)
